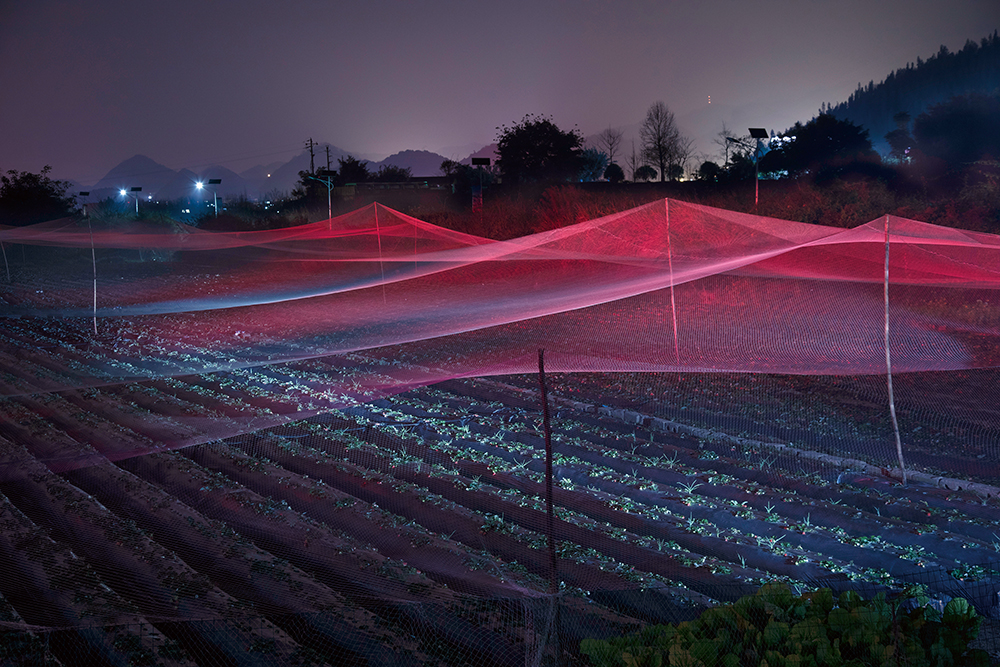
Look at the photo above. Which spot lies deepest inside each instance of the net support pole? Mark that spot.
(93, 259)
(381, 266)
(673, 303)
(549, 512)
(553, 623)
(888, 362)
(6, 265)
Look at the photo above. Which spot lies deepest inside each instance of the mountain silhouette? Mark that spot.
(137, 171)
(276, 178)
(420, 163)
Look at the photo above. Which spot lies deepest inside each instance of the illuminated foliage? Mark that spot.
(593, 163)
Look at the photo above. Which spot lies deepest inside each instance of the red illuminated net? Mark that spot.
(125, 348)
(667, 287)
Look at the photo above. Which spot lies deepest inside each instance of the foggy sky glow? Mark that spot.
(84, 86)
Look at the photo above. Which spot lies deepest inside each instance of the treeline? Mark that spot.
(975, 69)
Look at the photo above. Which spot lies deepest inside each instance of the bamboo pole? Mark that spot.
(888, 362)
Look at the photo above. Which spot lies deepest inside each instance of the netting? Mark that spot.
(267, 447)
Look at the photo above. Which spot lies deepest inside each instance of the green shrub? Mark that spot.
(774, 628)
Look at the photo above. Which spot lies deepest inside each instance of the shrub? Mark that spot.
(778, 629)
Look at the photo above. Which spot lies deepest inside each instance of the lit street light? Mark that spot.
(215, 194)
(135, 193)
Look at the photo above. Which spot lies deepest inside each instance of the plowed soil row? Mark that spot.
(252, 518)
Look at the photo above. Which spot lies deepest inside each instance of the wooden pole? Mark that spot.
(5, 261)
(93, 259)
(550, 513)
(888, 362)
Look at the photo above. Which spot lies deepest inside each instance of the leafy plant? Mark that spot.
(776, 628)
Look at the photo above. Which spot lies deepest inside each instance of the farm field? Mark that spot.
(411, 529)
(325, 446)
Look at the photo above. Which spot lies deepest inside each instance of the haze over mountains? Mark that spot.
(272, 180)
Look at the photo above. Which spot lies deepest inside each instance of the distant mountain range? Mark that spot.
(159, 182)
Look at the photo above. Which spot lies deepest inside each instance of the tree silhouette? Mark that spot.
(614, 173)
(464, 177)
(390, 173)
(610, 139)
(27, 198)
(823, 143)
(352, 170)
(962, 130)
(535, 149)
(709, 171)
(975, 69)
(663, 145)
(645, 173)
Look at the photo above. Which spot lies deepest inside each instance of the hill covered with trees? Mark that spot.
(974, 70)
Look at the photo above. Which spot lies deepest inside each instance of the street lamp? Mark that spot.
(757, 133)
(135, 193)
(215, 194)
(328, 182)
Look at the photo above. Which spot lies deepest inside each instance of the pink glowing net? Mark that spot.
(669, 286)
(664, 287)
(120, 342)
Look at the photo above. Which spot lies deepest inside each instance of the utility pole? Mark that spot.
(328, 158)
(312, 163)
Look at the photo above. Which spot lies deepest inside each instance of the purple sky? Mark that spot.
(85, 85)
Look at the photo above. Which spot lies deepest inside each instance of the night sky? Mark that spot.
(85, 85)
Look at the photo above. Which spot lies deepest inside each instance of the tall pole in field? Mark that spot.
(888, 362)
(757, 133)
(93, 258)
(550, 514)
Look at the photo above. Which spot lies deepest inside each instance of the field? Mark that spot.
(338, 509)
(412, 529)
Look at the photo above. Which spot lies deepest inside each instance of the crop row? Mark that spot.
(258, 516)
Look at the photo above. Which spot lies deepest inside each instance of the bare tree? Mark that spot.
(662, 143)
(609, 140)
(683, 152)
(731, 144)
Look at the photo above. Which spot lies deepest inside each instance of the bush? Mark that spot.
(777, 629)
